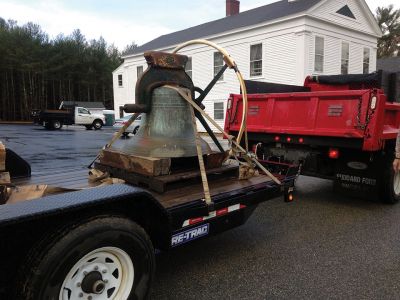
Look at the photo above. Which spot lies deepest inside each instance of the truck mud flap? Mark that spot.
(358, 177)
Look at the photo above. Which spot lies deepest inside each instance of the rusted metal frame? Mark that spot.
(209, 87)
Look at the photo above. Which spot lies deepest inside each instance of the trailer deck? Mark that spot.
(75, 178)
(78, 179)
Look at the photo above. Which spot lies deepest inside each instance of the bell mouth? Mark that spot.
(161, 147)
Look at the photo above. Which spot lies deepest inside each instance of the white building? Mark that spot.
(282, 42)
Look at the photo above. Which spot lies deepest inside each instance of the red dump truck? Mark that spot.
(340, 127)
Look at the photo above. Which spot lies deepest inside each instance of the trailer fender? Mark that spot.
(52, 212)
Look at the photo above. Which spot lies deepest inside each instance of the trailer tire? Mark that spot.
(391, 183)
(97, 124)
(110, 255)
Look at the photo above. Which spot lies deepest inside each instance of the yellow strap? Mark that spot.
(122, 130)
(203, 173)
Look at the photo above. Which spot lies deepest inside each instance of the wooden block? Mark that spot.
(148, 166)
(215, 159)
(27, 192)
(5, 178)
(2, 157)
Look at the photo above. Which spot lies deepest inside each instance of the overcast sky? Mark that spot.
(124, 21)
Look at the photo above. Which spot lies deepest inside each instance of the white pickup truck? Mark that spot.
(55, 119)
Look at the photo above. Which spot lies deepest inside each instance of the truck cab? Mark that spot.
(84, 117)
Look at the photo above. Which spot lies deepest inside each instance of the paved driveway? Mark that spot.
(323, 246)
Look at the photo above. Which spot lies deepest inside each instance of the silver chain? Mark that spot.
(359, 125)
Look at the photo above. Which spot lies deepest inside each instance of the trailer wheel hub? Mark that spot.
(105, 273)
(93, 283)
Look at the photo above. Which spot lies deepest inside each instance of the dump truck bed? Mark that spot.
(363, 116)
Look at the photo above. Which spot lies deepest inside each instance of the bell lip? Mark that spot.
(155, 144)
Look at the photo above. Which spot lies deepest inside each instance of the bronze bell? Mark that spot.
(166, 130)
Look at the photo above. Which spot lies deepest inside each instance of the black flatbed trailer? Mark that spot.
(42, 238)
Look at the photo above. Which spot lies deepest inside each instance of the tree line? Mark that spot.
(37, 72)
(388, 19)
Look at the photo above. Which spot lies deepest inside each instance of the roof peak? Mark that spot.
(251, 17)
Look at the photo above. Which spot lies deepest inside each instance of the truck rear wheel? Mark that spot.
(56, 124)
(104, 258)
(391, 183)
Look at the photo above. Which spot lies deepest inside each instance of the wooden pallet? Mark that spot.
(164, 183)
(150, 166)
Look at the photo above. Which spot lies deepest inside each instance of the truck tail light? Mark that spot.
(288, 139)
(373, 102)
(301, 140)
(229, 106)
(333, 153)
(277, 139)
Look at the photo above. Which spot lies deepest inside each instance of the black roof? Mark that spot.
(251, 17)
(88, 105)
(389, 64)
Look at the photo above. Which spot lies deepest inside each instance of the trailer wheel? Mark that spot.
(97, 124)
(56, 124)
(105, 258)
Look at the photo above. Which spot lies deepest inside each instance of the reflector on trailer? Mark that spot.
(333, 153)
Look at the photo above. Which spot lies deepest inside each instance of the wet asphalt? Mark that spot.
(322, 246)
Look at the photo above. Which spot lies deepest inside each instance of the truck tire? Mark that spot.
(89, 127)
(56, 124)
(391, 183)
(97, 124)
(107, 257)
